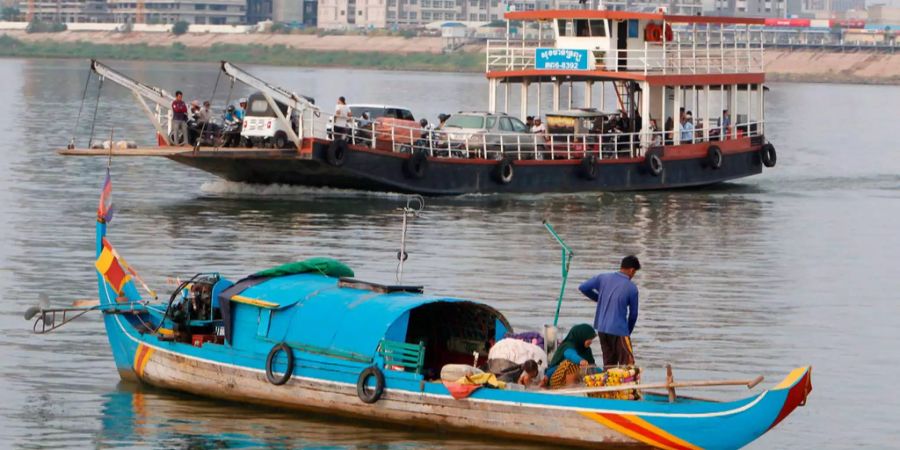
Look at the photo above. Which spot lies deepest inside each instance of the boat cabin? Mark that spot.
(328, 315)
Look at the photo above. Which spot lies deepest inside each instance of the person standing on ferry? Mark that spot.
(617, 311)
(179, 119)
(342, 118)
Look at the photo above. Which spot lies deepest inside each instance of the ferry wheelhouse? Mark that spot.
(629, 101)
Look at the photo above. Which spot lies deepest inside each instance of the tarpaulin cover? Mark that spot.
(325, 266)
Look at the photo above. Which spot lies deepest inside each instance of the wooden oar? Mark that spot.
(684, 384)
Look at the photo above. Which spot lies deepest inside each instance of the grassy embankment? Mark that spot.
(280, 55)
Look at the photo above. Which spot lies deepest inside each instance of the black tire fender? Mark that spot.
(655, 164)
(270, 362)
(416, 166)
(714, 157)
(362, 389)
(336, 154)
(768, 155)
(504, 171)
(589, 167)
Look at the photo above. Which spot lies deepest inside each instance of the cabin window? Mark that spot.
(566, 28)
(598, 28)
(633, 28)
(582, 29)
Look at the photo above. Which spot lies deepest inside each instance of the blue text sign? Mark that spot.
(561, 59)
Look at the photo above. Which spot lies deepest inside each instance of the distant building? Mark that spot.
(302, 12)
(201, 12)
(69, 11)
(755, 8)
(884, 14)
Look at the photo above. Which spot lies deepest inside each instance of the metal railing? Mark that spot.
(458, 143)
(673, 59)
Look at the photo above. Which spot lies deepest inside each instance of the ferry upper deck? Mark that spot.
(660, 48)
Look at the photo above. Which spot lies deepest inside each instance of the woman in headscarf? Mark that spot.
(572, 354)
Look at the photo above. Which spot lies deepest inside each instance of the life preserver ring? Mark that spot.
(504, 171)
(270, 362)
(336, 154)
(714, 157)
(589, 167)
(654, 164)
(768, 155)
(416, 166)
(362, 388)
(652, 33)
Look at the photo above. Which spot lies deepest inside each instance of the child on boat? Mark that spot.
(573, 354)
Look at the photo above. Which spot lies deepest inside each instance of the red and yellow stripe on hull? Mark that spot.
(641, 430)
(141, 358)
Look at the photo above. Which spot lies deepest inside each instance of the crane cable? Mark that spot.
(87, 82)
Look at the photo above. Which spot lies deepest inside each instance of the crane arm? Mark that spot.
(295, 101)
(152, 93)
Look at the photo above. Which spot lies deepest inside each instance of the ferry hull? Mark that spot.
(373, 170)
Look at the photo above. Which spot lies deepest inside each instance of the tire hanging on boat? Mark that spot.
(714, 157)
(504, 171)
(416, 166)
(654, 164)
(768, 155)
(588, 167)
(270, 363)
(336, 154)
(362, 388)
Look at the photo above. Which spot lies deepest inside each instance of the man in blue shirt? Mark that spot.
(617, 311)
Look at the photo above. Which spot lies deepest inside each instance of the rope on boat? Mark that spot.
(94, 119)
(87, 82)
(211, 98)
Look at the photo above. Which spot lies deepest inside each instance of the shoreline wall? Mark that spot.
(386, 52)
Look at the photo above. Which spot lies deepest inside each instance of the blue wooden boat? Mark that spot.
(307, 336)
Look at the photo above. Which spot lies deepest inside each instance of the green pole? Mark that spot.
(566, 262)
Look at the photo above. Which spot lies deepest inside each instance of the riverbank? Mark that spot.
(373, 52)
(385, 53)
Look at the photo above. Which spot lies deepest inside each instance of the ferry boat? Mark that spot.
(689, 95)
(307, 336)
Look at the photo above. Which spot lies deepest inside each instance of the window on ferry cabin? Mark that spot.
(598, 28)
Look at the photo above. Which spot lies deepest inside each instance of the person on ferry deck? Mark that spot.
(724, 123)
(687, 128)
(179, 119)
(342, 118)
(669, 126)
(617, 311)
(573, 354)
(529, 122)
(241, 110)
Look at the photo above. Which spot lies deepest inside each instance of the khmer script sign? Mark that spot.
(561, 59)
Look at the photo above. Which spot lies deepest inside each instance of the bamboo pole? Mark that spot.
(683, 384)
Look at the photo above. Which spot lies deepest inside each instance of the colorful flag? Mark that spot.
(109, 266)
(105, 209)
(128, 268)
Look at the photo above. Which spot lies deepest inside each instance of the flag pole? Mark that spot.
(567, 255)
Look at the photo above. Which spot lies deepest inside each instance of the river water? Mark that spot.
(796, 266)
